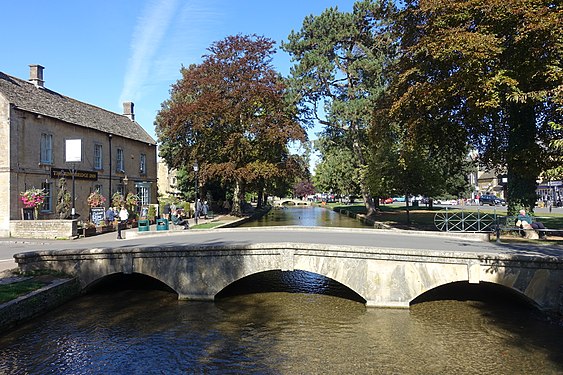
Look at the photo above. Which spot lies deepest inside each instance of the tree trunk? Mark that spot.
(236, 209)
(238, 198)
(366, 195)
(523, 158)
(260, 201)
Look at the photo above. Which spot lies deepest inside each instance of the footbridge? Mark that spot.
(378, 265)
(291, 202)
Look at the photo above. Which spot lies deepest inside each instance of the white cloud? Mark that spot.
(149, 32)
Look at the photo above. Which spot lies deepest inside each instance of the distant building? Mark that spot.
(35, 125)
(167, 180)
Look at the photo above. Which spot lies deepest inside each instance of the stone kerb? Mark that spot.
(383, 277)
(45, 229)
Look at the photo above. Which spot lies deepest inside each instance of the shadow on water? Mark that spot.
(289, 282)
(508, 314)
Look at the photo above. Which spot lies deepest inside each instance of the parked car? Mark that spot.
(491, 200)
(452, 202)
(388, 201)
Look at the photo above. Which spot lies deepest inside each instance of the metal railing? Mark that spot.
(465, 221)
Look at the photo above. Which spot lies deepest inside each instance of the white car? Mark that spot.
(449, 202)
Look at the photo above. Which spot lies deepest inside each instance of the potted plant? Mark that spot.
(63, 200)
(33, 198)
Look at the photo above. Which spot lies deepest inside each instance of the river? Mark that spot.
(280, 323)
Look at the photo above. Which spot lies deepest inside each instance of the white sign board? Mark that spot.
(73, 150)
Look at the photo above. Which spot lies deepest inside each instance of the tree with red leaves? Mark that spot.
(231, 114)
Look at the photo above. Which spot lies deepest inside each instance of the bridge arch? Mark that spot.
(484, 291)
(296, 281)
(121, 280)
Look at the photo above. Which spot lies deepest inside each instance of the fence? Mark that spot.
(465, 221)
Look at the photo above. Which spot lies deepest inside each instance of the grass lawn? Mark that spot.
(422, 218)
(9, 292)
(207, 225)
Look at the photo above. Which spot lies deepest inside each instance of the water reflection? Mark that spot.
(305, 216)
(274, 331)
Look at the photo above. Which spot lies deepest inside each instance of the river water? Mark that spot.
(281, 323)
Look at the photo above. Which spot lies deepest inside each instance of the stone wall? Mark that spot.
(53, 229)
(31, 305)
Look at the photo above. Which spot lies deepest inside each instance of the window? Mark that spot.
(143, 192)
(98, 156)
(120, 167)
(46, 148)
(48, 202)
(143, 164)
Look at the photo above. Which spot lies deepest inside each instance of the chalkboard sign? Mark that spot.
(97, 215)
(28, 213)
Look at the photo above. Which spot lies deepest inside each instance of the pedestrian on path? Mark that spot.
(204, 209)
(123, 217)
(197, 210)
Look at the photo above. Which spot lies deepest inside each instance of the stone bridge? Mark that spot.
(290, 201)
(384, 277)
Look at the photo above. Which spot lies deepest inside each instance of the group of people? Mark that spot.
(122, 216)
(201, 209)
(177, 215)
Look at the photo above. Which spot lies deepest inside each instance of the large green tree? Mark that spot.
(487, 73)
(231, 114)
(339, 58)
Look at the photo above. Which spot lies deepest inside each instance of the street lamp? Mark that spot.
(196, 169)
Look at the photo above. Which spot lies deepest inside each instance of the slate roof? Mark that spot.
(26, 96)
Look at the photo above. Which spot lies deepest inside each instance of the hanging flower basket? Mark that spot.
(96, 199)
(33, 198)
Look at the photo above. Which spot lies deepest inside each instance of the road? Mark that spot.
(331, 236)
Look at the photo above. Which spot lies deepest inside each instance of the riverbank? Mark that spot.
(50, 291)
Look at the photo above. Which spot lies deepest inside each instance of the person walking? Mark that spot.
(204, 209)
(166, 211)
(197, 212)
(123, 217)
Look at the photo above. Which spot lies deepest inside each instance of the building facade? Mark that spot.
(39, 128)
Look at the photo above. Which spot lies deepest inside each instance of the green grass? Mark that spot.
(9, 292)
(207, 225)
(422, 217)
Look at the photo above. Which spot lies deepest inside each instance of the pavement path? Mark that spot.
(294, 234)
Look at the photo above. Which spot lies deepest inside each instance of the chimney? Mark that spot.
(128, 110)
(36, 75)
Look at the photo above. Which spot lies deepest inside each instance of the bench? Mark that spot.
(508, 224)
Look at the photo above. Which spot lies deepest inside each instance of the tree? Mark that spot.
(231, 114)
(335, 172)
(63, 200)
(339, 60)
(303, 189)
(487, 73)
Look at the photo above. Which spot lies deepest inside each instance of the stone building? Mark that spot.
(38, 127)
(167, 180)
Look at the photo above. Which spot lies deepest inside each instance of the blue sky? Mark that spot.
(105, 52)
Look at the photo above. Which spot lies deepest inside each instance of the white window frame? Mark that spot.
(120, 162)
(47, 205)
(143, 191)
(98, 156)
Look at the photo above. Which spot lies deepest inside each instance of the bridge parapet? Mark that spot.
(383, 277)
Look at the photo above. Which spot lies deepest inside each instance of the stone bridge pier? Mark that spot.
(383, 277)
